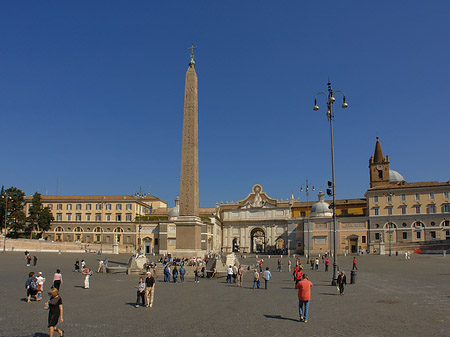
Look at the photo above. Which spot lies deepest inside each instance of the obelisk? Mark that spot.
(188, 224)
(189, 154)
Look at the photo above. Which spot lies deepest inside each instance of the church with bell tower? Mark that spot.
(379, 167)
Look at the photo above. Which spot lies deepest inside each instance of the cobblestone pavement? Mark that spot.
(392, 297)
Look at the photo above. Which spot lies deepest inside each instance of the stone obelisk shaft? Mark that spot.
(189, 198)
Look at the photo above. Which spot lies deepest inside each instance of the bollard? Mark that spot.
(444, 252)
(353, 277)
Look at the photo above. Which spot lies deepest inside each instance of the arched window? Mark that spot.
(78, 230)
(98, 234)
(118, 234)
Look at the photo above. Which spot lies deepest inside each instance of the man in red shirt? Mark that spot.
(354, 264)
(327, 262)
(304, 295)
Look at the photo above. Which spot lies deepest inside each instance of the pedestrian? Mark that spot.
(57, 279)
(196, 276)
(260, 265)
(327, 262)
(87, 274)
(55, 312)
(289, 265)
(240, 276)
(100, 266)
(406, 256)
(280, 265)
(175, 274)
(317, 264)
(266, 276)
(304, 296)
(235, 273)
(31, 285)
(182, 273)
(28, 258)
(77, 265)
(229, 273)
(149, 289)
(35, 260)
(256, 279)
(83, 264)
(354, 263)
(341, 281)
(312, 264)
(298, 275)
(140, 294)
(40, 281)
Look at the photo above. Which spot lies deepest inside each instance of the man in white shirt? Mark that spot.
(229, 274)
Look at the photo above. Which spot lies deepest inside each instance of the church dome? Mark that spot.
(321, 208)
(394, 176)
(175, 211)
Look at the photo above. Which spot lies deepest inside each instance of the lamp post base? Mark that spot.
(334, 280)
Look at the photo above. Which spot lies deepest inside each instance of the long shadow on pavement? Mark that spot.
(281, 317)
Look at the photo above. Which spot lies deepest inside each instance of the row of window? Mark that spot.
(416, 224)
(98, 217)
(431, 209)
(88, 207)
(431, 196)
(418, 235)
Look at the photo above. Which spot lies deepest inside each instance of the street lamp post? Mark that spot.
(308, 215)
(389, 200)
(330, 114)
(6, 215)
(139, 195)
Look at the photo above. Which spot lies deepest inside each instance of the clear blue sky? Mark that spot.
(91, 93)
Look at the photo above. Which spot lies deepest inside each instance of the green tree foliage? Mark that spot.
(33, 214)
(16, 218)
(45, 219)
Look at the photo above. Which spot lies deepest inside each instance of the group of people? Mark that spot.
(175, 272)
(28, 259)
(145, 291)
(35, 287)
(236, 273)
(266, 277)
(83, 268)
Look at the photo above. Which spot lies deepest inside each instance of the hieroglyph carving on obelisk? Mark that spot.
(189, 198)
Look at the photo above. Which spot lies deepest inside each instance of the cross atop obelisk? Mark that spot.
(192, 62)
(189, 196)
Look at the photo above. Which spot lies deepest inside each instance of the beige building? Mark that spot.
(403, 214)
(105, 219)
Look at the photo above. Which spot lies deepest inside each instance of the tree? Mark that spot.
(45, 219)
(34, 212)
(16, 218)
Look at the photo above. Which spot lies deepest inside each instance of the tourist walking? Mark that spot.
(57, 279)
(55, 312)
(167, 273)
(196, 276)
(327, 263)
(28, 258)
(77, 265)
(229, 273)
(100, 266)
(40, 281)
(354, 267)
(235, 273)
(140, 294)
(31, 285)
(289, 265)
(182, 273)
(87, 274)
(256, 279)
(266, 276)
(149, 289)
(298, 275)
(317, 263)
(240, 276)
(304, 296)
(35, 260)
(280, 265)
(341, 281)
(175, 274)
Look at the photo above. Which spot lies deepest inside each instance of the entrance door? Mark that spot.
(353, 246)
(148, 246)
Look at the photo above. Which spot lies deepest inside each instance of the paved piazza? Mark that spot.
(392, 297)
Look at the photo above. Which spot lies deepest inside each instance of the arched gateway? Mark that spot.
(258, 238)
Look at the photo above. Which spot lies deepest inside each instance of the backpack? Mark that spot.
(34, 284)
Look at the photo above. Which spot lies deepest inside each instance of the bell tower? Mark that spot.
(378, 167)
